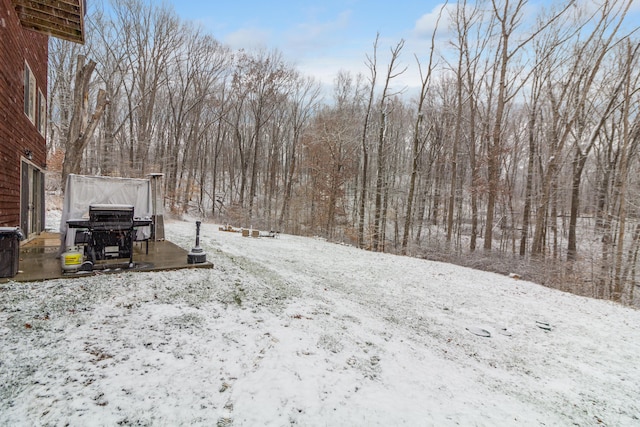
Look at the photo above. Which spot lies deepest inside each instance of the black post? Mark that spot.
(197, 255)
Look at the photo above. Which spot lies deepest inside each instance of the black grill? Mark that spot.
(111, 231)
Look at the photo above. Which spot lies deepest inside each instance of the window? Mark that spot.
(29, 93)
(42, 113)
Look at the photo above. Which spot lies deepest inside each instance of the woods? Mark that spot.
(517, 150)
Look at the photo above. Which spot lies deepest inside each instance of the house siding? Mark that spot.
(17, 133)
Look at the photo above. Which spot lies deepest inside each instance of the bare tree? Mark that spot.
(418, 141)
(63, 57)
(606, 31)
(392, 73)
(304, 97)
(372, 65)
(509, 18)
(150, 35)
(630, 137)
(82, 126)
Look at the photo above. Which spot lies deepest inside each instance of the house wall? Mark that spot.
(17, 133)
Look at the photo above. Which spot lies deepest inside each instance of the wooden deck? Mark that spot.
(39, 260)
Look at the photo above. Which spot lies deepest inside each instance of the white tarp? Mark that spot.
(83, 191)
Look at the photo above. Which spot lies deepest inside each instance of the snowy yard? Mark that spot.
(299, 331)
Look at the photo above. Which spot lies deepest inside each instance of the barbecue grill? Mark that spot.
(111, 232)
(108, 233)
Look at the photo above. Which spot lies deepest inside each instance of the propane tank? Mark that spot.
(71, 259)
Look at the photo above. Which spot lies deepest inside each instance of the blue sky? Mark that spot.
(318, 37)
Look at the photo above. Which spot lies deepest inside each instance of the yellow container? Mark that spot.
(71, 260)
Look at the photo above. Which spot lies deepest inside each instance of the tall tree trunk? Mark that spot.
(418, 143)
(372, 64)
(528, 197)
(254, 170)
(415, 156)
(380, 170)
(579, 160)
(81, 127)
(382, 154)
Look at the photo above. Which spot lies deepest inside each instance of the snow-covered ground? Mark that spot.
(299, 331)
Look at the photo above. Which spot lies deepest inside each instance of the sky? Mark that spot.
(303, 332)
(318, 38)
(321, 38)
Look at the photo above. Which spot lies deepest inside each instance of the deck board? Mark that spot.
(40, 260)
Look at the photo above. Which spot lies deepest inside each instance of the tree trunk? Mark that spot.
(81, 127)
(382, 154)
(365, 145)
(579, 161)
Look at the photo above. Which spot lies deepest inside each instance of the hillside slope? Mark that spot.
(299, 331)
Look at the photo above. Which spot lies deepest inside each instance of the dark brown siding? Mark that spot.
(17, 133)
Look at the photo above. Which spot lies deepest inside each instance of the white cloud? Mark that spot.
(249, 38)
(427, 23)
(316, 35)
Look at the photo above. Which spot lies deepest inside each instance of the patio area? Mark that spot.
(39, 260)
